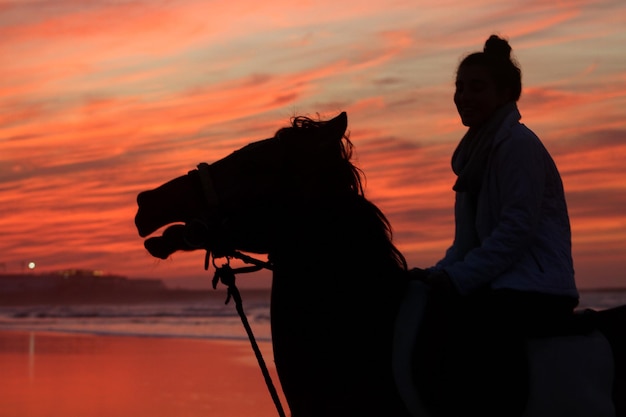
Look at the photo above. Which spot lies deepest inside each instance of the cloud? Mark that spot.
(101, 100)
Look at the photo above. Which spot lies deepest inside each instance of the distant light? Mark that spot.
(31, 265)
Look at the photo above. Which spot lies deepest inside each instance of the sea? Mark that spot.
(208, 318)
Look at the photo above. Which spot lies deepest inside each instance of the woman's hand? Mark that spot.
(438, 280)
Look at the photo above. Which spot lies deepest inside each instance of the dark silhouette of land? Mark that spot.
(88, 287)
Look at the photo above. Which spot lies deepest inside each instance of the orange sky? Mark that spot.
(100, 100)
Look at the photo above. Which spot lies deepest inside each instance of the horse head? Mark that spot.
(233, 203)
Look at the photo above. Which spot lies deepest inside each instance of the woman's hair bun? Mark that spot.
(497, 47)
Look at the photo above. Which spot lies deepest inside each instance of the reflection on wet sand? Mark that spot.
(60, 375)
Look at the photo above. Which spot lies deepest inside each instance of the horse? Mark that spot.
(345, 318)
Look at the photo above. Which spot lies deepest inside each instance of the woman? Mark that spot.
(509, 272)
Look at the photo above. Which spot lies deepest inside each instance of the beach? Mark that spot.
(85, 375)
(161, 359)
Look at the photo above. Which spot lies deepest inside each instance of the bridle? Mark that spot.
(197, 229)
(224, 273)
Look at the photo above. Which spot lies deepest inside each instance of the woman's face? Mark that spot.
(476, 96)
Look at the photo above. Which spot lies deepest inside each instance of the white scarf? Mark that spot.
(469, 162)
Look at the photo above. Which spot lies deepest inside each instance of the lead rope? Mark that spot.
(226, 275)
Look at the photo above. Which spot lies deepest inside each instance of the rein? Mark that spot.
(227, 276)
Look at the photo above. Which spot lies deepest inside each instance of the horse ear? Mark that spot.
(338, 124)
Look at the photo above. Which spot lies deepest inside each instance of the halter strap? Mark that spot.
(212, 199)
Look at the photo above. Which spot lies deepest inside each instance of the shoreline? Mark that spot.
(115, 333)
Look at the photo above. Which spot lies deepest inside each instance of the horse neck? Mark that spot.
(338, 243)
(335, 286)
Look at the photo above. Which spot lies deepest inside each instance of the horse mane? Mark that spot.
(354, 178)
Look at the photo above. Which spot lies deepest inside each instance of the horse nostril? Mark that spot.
(146, 218)
(140, 222)
(141, 229)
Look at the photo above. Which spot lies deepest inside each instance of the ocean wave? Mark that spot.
(157, 320)
(211, 320)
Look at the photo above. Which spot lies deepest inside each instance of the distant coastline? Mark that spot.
(75, 286)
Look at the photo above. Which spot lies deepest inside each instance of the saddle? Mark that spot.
(569, 373)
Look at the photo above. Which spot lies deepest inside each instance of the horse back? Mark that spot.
(570, 375)
(612, 324)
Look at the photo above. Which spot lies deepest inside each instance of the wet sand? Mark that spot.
(80, 375)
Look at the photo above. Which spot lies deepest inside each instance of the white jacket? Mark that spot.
(521, 221)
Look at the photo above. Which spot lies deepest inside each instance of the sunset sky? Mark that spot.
(102, 99)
